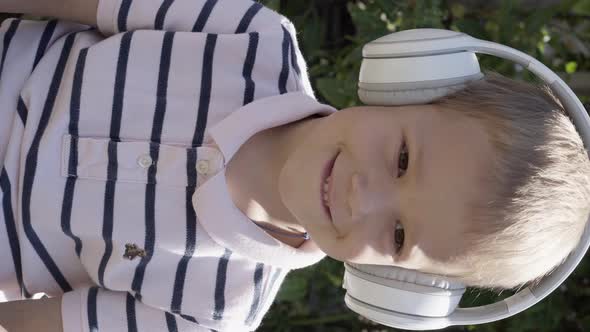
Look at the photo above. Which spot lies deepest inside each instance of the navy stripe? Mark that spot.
(191, 172)
(11, 229)
(22, 111)
(119, 88)
(254, 307)
(189, 318)
(92, 314)
(45, 39)
(204, 15)
(293, 56)
(150, 227)
(150, 193)
(123, 15)
(245, 21)
(171, 322)
(285, 70)
(191, 233)
(66, 210)
(205, 97)
(131, 317)
(159, 24)
(248, 66)
(31, 168)
(108, 210)
(117, 111)
(8, 35)
(162, 88)
(77, 93)
(220, 285)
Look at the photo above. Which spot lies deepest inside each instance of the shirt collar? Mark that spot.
(223, 221)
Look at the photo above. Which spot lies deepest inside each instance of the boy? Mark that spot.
(161, 126)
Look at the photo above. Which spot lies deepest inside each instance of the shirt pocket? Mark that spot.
(143, 162)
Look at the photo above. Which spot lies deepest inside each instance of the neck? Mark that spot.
(254, 190)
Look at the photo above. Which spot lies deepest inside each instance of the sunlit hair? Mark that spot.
(537, 188)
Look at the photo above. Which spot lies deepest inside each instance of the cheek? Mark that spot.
(362, 245)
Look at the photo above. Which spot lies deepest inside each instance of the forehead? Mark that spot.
(453, 156)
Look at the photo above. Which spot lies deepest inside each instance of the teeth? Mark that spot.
(326, 187)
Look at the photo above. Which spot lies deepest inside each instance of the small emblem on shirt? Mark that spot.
(132, 251)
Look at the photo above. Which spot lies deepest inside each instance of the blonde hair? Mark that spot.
(539, 201)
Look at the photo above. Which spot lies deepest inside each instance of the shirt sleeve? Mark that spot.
(209, 16)
(94, 309)
(23, 43)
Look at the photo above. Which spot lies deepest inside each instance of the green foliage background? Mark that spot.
(331, 34)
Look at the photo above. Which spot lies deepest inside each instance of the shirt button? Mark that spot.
(144, 161)
(202, 166)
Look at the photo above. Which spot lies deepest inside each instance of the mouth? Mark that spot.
(326, 181)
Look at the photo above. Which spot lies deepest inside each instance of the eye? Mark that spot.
(403, 160)
(399, 237)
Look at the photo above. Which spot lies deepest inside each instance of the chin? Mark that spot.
(286, 192)
(281, 186)
(337, 257)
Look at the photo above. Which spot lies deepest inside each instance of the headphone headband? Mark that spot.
(412, 43)
(434, 46)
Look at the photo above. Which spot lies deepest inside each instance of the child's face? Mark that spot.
(447, 156)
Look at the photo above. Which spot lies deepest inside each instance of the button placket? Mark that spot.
(209, 163)
(203, 167)
(144, 161)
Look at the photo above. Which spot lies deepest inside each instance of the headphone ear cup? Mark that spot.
(402, 291)
(406, 96)
(395, 75)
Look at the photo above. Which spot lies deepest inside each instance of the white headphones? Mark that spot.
(415, 67)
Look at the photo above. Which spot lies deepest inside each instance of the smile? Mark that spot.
(326, 182)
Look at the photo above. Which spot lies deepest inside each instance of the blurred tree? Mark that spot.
(332, 33)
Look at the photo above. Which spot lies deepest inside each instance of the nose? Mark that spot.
(368, 198)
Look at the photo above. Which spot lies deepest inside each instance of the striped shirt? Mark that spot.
(113, 147)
